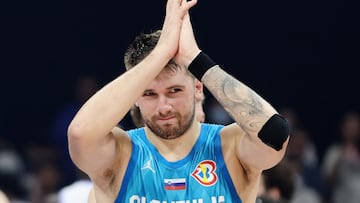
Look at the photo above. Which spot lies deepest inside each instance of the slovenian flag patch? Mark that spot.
(175, 184)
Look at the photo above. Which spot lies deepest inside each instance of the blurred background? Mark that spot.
(302, 56)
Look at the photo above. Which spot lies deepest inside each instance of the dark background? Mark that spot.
(303, 54)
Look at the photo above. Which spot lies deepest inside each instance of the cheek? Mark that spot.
(186, 106)
(182, 103)
(146, 107)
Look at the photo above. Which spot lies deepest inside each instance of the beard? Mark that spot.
(170, 131)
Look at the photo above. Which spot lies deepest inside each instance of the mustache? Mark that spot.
(168, 115)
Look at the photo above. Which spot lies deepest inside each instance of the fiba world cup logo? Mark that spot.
(205, 173)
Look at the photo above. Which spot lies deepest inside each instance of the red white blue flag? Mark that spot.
(175, 184)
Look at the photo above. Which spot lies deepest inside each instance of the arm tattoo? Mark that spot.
(244, 105)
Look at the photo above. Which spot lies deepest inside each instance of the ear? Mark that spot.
(136, 104)
(198, 90)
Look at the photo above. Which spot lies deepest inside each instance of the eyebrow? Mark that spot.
(168, 88)
(178, 86)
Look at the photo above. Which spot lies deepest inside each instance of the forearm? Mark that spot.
(100, 114)
(246, 107)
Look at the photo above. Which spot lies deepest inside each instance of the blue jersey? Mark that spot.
(200, 177)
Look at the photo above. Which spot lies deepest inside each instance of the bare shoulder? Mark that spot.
(232, 131)
(230, 136)
(246, 182)
(108, 181)
(122, 138)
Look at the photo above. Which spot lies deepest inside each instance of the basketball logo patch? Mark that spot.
(205, 173)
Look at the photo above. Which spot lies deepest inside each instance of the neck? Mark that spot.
(175, 149)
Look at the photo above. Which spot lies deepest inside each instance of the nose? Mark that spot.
(164, 106)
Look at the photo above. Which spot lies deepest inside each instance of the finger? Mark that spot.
(187, 4)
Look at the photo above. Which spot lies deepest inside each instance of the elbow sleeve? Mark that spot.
(275, 132)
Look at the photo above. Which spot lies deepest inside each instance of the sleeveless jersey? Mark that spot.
(200, 177)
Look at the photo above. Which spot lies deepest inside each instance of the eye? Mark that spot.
(175, 90)
(147, 94)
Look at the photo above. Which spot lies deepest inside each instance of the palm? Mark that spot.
(188, 47)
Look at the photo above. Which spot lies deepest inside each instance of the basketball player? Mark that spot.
(175, 158)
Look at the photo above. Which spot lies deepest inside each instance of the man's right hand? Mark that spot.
(174, 20)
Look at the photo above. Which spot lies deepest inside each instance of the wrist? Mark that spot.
(200, 64)
(190, 58)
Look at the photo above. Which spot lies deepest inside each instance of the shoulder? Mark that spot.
(108, 180)
(244, 180)
(206, 127)
(232, 132)
(136, 132)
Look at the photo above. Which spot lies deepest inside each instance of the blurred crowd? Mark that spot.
(44, 173)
